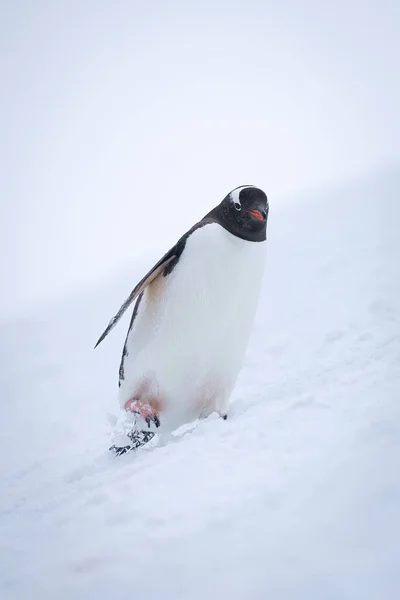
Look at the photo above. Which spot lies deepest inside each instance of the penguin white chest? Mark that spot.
(189, 337)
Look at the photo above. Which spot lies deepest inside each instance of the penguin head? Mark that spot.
(244, 213)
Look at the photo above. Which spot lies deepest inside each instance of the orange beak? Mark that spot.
(256, 214)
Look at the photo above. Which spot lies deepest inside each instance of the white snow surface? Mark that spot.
(295, 496)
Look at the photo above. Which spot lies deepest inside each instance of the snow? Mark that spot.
(295, 496)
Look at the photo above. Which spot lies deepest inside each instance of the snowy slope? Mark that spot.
(296, 496)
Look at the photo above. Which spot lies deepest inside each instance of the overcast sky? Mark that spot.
(124, 122)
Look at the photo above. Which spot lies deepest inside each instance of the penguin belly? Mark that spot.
(187, 343)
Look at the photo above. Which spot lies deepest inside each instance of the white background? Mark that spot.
(122, 123)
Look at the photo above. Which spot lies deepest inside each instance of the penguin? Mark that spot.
(192, 319)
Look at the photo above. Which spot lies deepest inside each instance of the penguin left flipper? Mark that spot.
(164, 265)
(138, 289)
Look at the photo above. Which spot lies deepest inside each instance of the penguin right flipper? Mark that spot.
(139, 288)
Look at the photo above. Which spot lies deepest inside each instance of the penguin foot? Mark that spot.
(119, 450)
(138, 438)
(144, 410)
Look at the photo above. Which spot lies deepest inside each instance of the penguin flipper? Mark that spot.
(138, 289)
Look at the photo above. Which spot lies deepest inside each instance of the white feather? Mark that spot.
(190, 335)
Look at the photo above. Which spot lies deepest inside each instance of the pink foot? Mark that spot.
(144, 410)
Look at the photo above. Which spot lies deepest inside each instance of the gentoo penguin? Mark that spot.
(192, 318)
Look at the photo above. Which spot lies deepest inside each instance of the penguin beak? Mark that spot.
(257, 214)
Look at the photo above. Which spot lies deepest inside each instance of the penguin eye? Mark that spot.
(237, 206)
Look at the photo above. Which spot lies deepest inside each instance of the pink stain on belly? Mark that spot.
(146, 398)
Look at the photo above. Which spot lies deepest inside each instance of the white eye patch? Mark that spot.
(234, 195)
